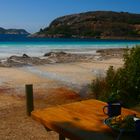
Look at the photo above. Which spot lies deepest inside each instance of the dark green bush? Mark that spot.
(99, 87)
(122, 84)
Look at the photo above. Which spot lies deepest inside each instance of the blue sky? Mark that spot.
(35, 14)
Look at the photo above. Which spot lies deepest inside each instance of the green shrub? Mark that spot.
(98, 87)
(122, 84)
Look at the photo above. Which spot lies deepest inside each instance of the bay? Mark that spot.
(20, 44)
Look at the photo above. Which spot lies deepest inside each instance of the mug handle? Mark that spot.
(104, 110)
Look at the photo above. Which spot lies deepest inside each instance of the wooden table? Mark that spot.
(82, 120)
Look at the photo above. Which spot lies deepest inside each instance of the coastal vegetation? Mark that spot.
(122, 84)
(98, 24)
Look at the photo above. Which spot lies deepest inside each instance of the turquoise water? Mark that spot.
(18, 45)
(61, 43)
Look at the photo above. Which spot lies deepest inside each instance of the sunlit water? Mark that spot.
(18, 45)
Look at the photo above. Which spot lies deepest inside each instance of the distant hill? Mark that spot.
(98, 24)
(13, 31)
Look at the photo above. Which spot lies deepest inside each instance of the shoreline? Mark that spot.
(37, 49)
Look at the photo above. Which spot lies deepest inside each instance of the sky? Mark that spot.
(35, 14)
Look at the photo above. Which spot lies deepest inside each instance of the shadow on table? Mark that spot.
(73, 132)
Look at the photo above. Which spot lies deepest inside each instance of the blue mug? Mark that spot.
(112, 109)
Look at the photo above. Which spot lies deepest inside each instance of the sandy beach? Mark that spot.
(64, 81)
(56, 83)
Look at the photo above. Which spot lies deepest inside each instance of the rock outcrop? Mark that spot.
(60, 57)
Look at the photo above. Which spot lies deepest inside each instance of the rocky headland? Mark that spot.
(97, 24)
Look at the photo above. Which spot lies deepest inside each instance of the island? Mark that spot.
(13, 31)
